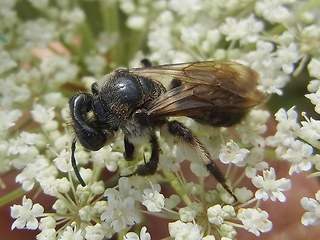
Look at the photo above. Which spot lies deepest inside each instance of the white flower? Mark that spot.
(192, 35)
(172, 155)
(71, 233)
(243, 194)
(42, 4)
(26, 214)
(136, 22)
(6, 62)
(300, 156)
(255, 162)
(53, 186)
(312, 217)
(313, 85)
(287, 120)
(184, 7)
(61, 142)
(41, 114)
(9, 13)
(227, 231)
(287, 130)
(270, 187)
(274, 11)
(172, 201)
(315, 159)
(160, 46)
(189, 213)
(314, 68)
(44, 116)
(86, 174)
(63, 161)
(121, 213)
(11, 92)
(128, 7)
(315, 99)
(217, 214)
(253, 126)
(270, 43)
(105, 41)
(184, 231)
(231, 153)
(288, 56)
(125, 190)
(244, 30)
(60, 206)
(34, 36)
(99, 231)
(286, 38)
(121, 210)
(86, 213)
(255, 220)
(107, 158)
(267, 65)
(97, 187)
(212, 38)
(100, 206)
(310, 34)
(310, 130)
(224, 195)
(32, 138)
(199, 169)
(38, 170)
(47, 234)
(144, 235)
(47, 223)
(95, 63)
(55, 99)
(8, 118)
(73, 16)
(58, 70)
(153, 199)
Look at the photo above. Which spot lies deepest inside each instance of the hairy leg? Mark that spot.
(186, 136)
(150, 167)
(128, 149)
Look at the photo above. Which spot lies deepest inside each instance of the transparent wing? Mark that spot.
(203, 87)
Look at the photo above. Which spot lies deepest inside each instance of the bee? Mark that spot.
(139, 101)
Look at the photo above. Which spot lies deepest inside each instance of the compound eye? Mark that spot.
(90, 132)
(99, 112)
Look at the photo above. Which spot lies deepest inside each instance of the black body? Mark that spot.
(119, 104)
(136, 102)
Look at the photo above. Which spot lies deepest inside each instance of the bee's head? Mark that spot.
(89, 121)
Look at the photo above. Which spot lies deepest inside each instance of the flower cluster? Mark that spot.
(51, 50)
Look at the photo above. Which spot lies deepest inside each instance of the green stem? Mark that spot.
(134, 42)
(270, 154)
(19, 192)
(87, 38)
(310, 5)
(111, 23)
(179, 189)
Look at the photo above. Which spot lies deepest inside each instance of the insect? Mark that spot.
(138, 101)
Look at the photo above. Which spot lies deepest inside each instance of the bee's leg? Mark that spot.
(185, 134)
(146, 62)
(150, 167)
(128, 149)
